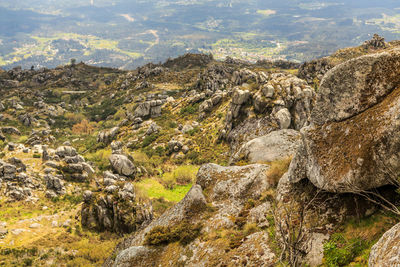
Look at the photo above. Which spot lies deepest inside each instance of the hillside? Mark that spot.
(198, 162)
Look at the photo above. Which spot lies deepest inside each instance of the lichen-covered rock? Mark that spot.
(122, 165)
(274, 146)
(116, 211)
(108, 136)
(353, 141)
(66, 151)
(284, 118)
(387, 251)
(356, 85)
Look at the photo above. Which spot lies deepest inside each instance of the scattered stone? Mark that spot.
(35, 225)
(122, 165)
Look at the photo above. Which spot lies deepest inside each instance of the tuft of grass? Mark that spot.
(139, 156)
(277, 170)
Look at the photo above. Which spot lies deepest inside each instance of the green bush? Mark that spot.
(36, 156)
(193, 131)
(172, 125)
(191, 109)
(61, 122)
(184, 233)
(149, 139)
(106, 108)
(339, 251)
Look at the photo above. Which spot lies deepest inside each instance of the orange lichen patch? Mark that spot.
(338, 146)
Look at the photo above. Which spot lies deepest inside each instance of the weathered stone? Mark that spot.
(10, 130)
(240, 97)
(387, 251)
(356, 85)
(356, 147)
(122, 165)
(108, 136)
(277, 145)
(66, 151)
(284, 118)
(143, 110)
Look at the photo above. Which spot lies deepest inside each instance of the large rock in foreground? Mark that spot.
(387, 251)
(356, 85)
(351, 148)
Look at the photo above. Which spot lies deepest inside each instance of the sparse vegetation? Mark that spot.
(184, 233)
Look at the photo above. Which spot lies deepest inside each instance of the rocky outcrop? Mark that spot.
(314, 71)
(71, 165)
(55, 186)
(10, 130)
(150, 108)
(228, 190)
(277, 145)
(40, 137)
(216, 77)
(377, 42)
(27, 119)
(15, 184)
(114, 210)
(353, 141)
(107, 136)
(281, 101)
(387, 251)
(66, 151)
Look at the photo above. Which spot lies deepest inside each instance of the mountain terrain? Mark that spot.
(200, 162)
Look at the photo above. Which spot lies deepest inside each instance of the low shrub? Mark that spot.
(149, 139)
(100, 158)
(188, 110)
(184, 233)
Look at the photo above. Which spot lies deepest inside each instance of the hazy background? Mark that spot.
(129, 33)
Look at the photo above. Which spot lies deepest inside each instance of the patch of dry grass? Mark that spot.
(277, 170)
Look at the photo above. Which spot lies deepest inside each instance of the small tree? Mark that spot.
(83, 127)
(290, 221)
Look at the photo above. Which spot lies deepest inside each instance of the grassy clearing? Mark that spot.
(155, 190)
